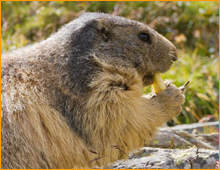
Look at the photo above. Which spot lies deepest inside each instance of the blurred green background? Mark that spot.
(192, 26)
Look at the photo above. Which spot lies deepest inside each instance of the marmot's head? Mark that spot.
(124, 42)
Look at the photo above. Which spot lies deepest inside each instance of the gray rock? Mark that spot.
(212, 139)
(181, 139)
(199, 127)
(169, 139)
(184, 150)
(156, 158)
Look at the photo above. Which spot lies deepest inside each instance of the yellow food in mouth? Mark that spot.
(158, 85)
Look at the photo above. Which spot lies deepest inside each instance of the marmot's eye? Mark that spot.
(105, 34)
(145, 37)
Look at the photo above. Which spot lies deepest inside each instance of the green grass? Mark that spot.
(191, 26)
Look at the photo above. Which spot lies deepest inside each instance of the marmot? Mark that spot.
(75, 99)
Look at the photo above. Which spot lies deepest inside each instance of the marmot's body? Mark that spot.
(74, 100)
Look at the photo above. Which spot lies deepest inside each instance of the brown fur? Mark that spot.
(75, 100)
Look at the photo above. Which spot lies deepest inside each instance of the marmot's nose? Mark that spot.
(173, 54)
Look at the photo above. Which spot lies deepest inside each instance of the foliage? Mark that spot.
(191, 26)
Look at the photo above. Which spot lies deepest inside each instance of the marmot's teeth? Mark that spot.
(158, 84)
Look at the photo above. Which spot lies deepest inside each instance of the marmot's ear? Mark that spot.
(103, 27)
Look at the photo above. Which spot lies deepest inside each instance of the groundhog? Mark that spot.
(75, 99)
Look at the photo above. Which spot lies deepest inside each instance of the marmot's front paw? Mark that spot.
(171, 99)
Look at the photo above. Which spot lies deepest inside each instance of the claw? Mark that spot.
(183, 87)
(167, 83)
(153, 95)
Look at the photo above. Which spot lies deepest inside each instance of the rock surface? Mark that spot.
(181, 139)
(213, 139)
(156, 158)
(177, 148)
(196, 127)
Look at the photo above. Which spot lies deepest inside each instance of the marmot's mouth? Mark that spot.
(147, 79)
